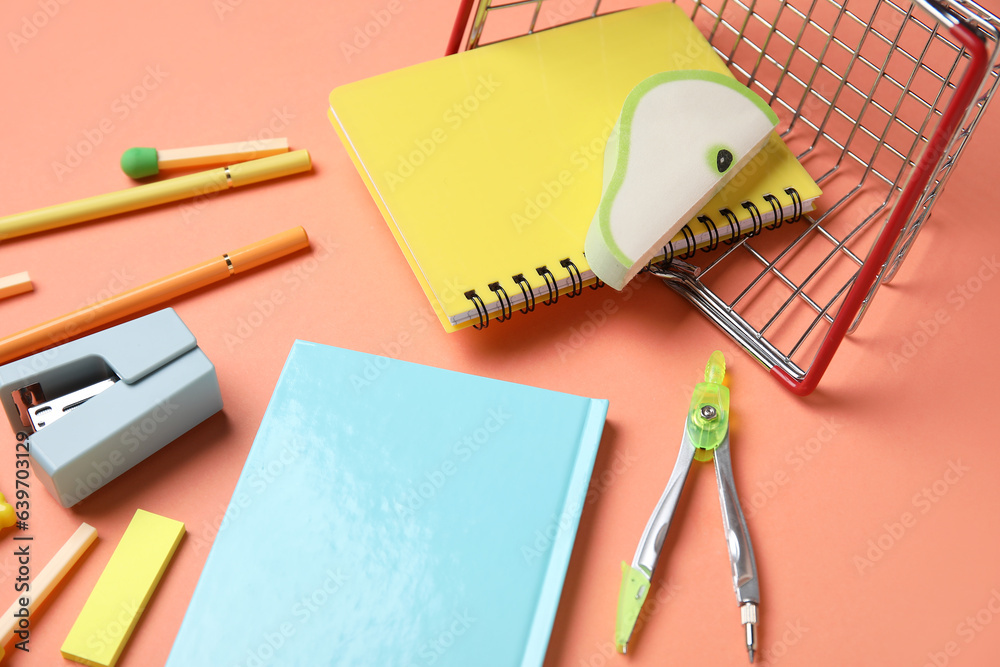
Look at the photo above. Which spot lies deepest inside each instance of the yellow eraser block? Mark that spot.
(121, 593)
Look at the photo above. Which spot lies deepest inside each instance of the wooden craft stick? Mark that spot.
(19, 283)
(144, 162)
(18, 616)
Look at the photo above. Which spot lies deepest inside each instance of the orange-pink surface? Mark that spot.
(872, 504)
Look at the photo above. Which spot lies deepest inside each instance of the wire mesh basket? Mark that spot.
(876, 98)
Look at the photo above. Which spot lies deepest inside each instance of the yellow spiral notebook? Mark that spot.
(487, 165)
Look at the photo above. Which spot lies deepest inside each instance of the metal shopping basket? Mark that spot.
(877, 98)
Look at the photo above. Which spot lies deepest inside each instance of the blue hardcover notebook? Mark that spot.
(395, 514)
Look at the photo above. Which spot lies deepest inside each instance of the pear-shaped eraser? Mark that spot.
(680, 137)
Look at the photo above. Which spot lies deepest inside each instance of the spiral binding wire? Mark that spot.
(484, 315)
(529, 294)
(713, 233)
(574, 276)
(669, 253)
(506, 308)
(796, 203)
(776, 209)
(758, 222)
(550, 283)
(734, 226)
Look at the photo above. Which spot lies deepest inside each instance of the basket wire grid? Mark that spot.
(877, 99)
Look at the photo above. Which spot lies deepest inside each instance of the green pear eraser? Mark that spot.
(140, 162)
(680, 138)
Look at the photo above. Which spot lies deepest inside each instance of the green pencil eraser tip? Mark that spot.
(140, 162)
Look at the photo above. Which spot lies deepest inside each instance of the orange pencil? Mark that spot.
(151, 294)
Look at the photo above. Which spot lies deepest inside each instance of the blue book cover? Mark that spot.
(390, 514)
